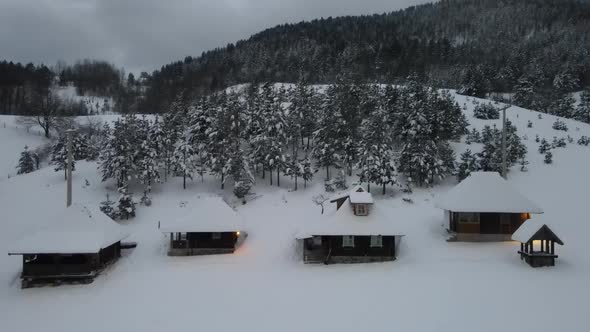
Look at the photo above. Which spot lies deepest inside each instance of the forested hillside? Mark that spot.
(538, 47)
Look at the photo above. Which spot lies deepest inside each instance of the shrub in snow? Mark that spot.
(537, 139)
(340, 181)
(544, 147)
(584, 140)
(558, 142)
(320, 200)
(329, 186)
(540, 116)
(241, 189)
(559, 125)
(570, 139)
(486, 112)
(126, 205)
(523, 165)
(107, 207)
(529, 124)
(26, 163)
(473, 137)
(145, 199)
(548, 157)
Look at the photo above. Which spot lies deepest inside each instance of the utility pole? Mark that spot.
(69, 134)
(504, 168)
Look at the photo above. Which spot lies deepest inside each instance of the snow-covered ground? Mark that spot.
(433, 286)
(94, 104)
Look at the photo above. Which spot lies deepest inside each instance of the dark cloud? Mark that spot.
(144, 34)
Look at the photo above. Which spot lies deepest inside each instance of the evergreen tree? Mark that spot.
(59, 156)
(583, 110)
(126, 206)
(544, 147)
(26, 164)
(107, 208)
(307, 173)
(548, 157)
(564, 106)
(184, 160)
(468, 163)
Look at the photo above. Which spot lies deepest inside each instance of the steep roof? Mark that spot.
(78, 229)
(207, 214)
(343, 222)
(535, 229)
(486, 192)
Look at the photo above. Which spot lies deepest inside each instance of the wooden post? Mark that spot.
(521, 247)
(69, 134)
(552, 248)
(504, 166)
(542, 245)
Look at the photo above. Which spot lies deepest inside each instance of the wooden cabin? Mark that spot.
(356, 232)
(537, 242)
(212, 227)
(484, 207)
(77, 245)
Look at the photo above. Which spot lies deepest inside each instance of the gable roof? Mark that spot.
(343, 222)
(535, 229)
(206, 214)
(78, 229)
(486, 192)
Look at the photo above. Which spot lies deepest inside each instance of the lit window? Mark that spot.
(216, 236)
(376, 241)
(348, 241)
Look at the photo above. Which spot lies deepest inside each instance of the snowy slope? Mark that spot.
(94, 104)
(433, 286)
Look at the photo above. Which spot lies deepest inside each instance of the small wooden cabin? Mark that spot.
(77, 245)
(484, 207)
(356, 232)
(212, 227)
(537, 243)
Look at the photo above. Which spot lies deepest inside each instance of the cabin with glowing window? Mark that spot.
(75, 246)
(212, 227)
(485, 207)
(358, 231)
(537, 242)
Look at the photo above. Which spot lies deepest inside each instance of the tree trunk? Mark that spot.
(184, 180)
(66, 172)
(222, 180)
(278, 177)
(384, 189)
(369, 187)
(295, 183)
(327, 172)
(270, 176)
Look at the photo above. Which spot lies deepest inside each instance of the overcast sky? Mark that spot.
(145, 34)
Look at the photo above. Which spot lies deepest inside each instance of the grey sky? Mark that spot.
(145, 34)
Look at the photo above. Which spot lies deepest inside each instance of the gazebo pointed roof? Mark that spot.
(535, 229)
(486, 192)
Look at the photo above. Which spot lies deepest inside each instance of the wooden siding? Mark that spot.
(489, 223)
(332, 247)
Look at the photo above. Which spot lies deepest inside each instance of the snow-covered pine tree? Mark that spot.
(218, 136)
(559, 125)
(59, 156)
(116, 158)
(126, 206)
(107, 208)
(544, 146)
(564, 106)
(548, 157)
(26, 164)
(172, 125)
(307, 172)
(486, 111)
(147, 157)
(524, 92)
(184, 160)
(582, 112)
(468, 163)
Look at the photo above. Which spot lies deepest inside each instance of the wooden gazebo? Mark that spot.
(537, 243)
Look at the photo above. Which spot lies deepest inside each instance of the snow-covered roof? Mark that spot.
(344, 222)
(207, 214)
(360, 197)
(531, 227)
(78, 229)
(486, 192)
